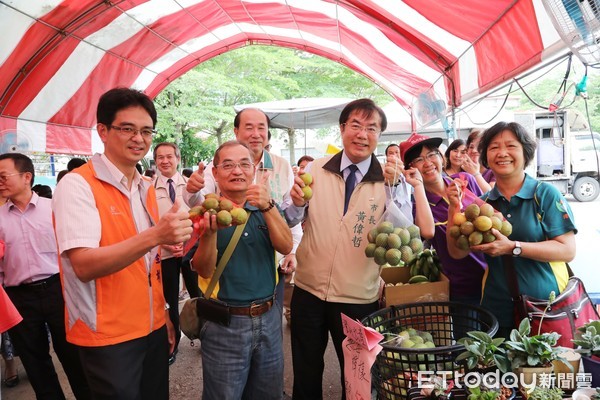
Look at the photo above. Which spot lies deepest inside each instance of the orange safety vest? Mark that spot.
(128, 304)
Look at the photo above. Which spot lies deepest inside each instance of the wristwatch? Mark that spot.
(517, 250)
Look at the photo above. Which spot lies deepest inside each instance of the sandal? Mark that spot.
(12, 381)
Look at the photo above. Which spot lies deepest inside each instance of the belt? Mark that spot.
(41, 284)
(253, 310)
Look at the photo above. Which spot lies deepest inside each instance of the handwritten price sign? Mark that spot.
(360, 350)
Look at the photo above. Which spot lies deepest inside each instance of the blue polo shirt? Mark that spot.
(250, 273)
(465, 275)
(531, 223)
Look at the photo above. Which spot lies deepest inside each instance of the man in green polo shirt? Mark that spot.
(245, 357)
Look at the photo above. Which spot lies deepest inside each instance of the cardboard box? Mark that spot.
(417, 293)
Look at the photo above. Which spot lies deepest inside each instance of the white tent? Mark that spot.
(305, 113)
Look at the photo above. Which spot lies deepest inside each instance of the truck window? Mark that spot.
(584, 142)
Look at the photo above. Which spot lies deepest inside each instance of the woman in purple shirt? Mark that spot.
(465, 275)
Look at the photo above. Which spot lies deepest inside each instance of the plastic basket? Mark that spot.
(396, 369)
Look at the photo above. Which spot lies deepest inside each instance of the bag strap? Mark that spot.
(509, 264)
(225, 258)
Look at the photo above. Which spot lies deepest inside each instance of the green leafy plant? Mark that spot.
(546, 393)
(478, 393)
(483, 351)
(532, 351)
(588, 339)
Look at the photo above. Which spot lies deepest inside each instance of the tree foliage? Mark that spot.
(196, 110)
(548, 90)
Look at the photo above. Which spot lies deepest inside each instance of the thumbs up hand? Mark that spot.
(259, 194)
(195, 182)
(175, 226)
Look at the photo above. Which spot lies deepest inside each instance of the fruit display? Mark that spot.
(424, 267)
(474, 226)
(307, 189)
(392, 245)
(226, 211)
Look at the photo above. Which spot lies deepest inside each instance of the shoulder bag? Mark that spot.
(197, 311)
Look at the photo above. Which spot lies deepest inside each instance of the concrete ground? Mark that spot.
(186, 374)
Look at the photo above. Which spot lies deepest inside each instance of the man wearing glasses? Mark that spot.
(29, 271)
(244, 357)
(334, 276)
(251, 128)
(109, 232)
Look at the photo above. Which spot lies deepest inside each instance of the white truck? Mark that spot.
(568, 153)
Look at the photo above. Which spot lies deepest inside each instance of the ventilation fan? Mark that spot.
(428, 108)
(578, 24)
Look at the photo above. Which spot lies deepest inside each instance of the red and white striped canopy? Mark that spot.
(58, 56)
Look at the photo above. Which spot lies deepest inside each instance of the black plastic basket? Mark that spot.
(396, 369)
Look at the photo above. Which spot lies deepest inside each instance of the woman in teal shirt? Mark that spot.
(543, 236)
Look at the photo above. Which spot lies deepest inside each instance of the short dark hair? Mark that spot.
(390, 146)
(305, 158)
(456, 143)
(238, 116)
(526, 140)
(22, 163)
(187, 172)
(366, 107)
(173, 145)
(43, 191)
(475, 133)
(75, 163)
(61, 175)
(120, 98)
(225, 145)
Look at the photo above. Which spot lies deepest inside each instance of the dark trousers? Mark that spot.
(133, 370)
(190, 277)
(313, 320)
(42, 305)
(170, 281)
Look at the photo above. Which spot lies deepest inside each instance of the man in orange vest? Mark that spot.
(109, 232)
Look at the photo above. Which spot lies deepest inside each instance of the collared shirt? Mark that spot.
(280, 183)
(401, 194)
(466, 274)
(31, 253)
(84, 214)
(250, 272)
(537, 212)
(363, 167)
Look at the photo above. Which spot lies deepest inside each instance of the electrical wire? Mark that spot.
(587, 114)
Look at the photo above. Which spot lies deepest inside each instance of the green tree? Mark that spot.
(202, 100)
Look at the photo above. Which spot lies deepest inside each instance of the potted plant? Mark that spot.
(530, 355)
(483, 353)
(487, 391)
(545, 393)
(587, 394)
(588, 340)
(437, 388)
